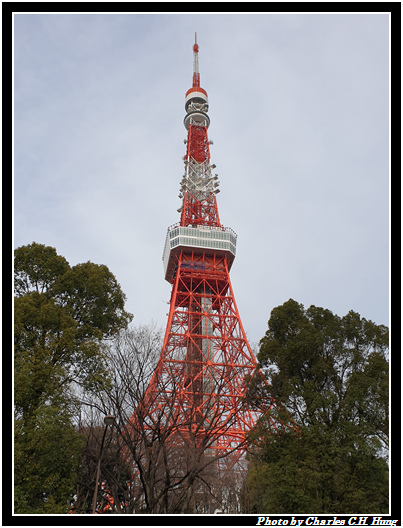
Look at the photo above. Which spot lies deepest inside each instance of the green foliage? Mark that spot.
(331, 374)
(46, 457)
(88, 292)
(61, 316)
(37, 268)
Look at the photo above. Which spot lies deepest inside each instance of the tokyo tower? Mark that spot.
(197, 389)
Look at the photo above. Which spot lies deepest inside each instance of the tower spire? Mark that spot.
(199, 185)
(196, 74)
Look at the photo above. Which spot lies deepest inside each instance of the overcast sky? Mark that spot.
(299, 109)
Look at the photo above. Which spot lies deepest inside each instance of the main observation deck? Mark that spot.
(202, 239)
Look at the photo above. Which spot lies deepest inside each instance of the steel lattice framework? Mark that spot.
(199, 385)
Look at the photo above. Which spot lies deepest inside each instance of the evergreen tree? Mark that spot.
(61, 316)
(331, 374)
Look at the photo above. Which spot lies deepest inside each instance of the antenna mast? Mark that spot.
(196, 74)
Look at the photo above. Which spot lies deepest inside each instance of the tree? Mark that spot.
(116, 472)
(331, 374)
(158, 462)
(131, 357)
(62, 314)
(46, 455)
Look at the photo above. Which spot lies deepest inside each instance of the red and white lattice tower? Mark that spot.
(205, 360)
